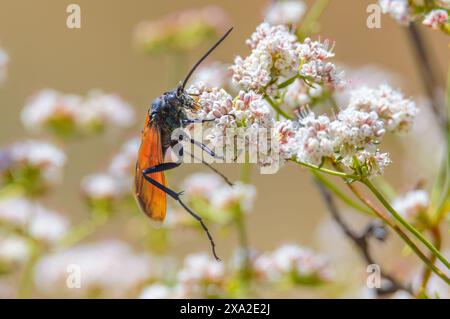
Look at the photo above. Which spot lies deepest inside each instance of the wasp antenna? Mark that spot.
(204, 57)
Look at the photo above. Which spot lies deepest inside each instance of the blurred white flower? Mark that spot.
(411, 204)
(111, 267)
(364, 76)
(48, 107)
(44, 158)
(123, 165)
(101, 186)
(435, 18)
(106, 109)
(284, 12)
(181, 31)
(68, 114)
(215, 74)
(156, 291)
(201, 276)
(33, 218)
(292, 260)
(13, 250)
(202, 185)
(397, 9)
(239, 195)
(296, 94)
(4, 62)
(444, 3)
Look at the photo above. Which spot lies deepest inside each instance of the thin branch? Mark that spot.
(360, 241)
(427, 74)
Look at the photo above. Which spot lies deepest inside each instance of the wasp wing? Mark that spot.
(150, 198)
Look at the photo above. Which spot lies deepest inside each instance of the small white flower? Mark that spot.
(215, 74)
(435, 18)
(201, 276)
(285, 12)
(393, 109)
(109, 266)
(313, 55)
(202, 185)
(107, 109)
(314, 139)
(122, 166)
(273, 53)
(239, 195)
(412, 204)
(101, 186)
(33, 218)
(47, 106)
(397, 9)
(55, 110)
(156, 291)
(13, 250)
(290, 260)
(36, 154)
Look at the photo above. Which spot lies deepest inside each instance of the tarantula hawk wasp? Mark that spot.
(166, 114)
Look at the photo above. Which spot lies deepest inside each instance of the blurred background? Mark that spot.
(44, 53)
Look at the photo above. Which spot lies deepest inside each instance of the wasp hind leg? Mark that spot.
(176, 196)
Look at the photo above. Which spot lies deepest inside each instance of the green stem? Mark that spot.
(311, 18)
(401, 233)
(84, 229)
(407, 225)
(26, 282)
(277, 108)
(339, 193)
(326, 170)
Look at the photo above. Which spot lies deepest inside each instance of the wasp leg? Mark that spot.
(205, 149)
(196, 121)
(213, 169)
(176, 196)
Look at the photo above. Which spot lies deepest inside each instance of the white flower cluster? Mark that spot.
(33, 218)
(273, 53)
(284, 12)
(44, 157)
(276, 54)
(357, 129)
(432, 14)
(412, 204)
(13, 251)
(436, 18)
(4, 62)
(220, 195)
(215, 74)
(200, 277)
(109, 267)
(397, 9)
(292, 262)
(244, 116)
(49, 109)
(117, 180)
(396, 112)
